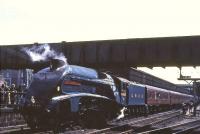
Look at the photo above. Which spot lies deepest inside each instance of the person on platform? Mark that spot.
(195, 107)
(2, 93)
(146, 110)
(184, 108)
(19, 94)
(191, 106)
(13, 92)
(6, 94)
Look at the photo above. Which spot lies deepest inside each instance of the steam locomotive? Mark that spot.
(61, 95)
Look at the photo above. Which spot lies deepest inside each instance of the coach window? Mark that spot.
(158, 95)
(142, 96)
(123, 89)
(135, 95)
(150, 95)
(132, 95)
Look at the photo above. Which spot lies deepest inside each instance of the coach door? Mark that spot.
(123, 93)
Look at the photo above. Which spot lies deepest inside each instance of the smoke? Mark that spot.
(43, 53)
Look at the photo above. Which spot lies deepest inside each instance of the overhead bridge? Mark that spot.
(148, 52)
(171, 51)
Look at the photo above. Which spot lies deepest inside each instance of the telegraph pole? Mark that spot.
(194, 81)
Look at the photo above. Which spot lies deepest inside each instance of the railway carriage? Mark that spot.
(136, 94)
(132, 95)
(178, 98)
(136, 98)
(157, 96)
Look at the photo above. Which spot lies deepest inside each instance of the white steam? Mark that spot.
(43, 53)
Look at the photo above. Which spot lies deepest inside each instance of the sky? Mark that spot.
(173, 73)
(47, 21)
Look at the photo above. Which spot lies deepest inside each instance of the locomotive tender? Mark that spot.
(64, 94)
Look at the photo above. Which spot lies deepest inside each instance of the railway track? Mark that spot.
(132, 126)
(128, 119)
(180, 128)
(141, 125)
(23, 128)
(12, 129)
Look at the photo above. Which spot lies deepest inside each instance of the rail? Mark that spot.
(170, 129)
(128, 126)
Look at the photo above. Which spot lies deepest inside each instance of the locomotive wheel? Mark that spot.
(93, 119)
(31, 121)
(35, 122)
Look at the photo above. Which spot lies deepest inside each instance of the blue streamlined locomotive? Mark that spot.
(62, 94)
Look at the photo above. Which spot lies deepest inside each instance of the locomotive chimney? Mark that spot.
(56, 63)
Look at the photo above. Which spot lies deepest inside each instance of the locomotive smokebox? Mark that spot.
(56, 63)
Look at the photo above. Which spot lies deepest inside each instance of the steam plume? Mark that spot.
(43, 53)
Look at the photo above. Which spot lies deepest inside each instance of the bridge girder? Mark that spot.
(149, 52)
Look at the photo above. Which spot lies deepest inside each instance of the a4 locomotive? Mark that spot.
(64, 95)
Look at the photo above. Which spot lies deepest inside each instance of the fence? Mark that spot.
(11, 98)
(9, 115)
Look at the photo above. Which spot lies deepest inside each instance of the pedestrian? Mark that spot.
(2, 93)
(19, 95)
(13, 92)
(184, 108)
(191, 104)
(146, 110)
(6, 94)
(194, 111)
